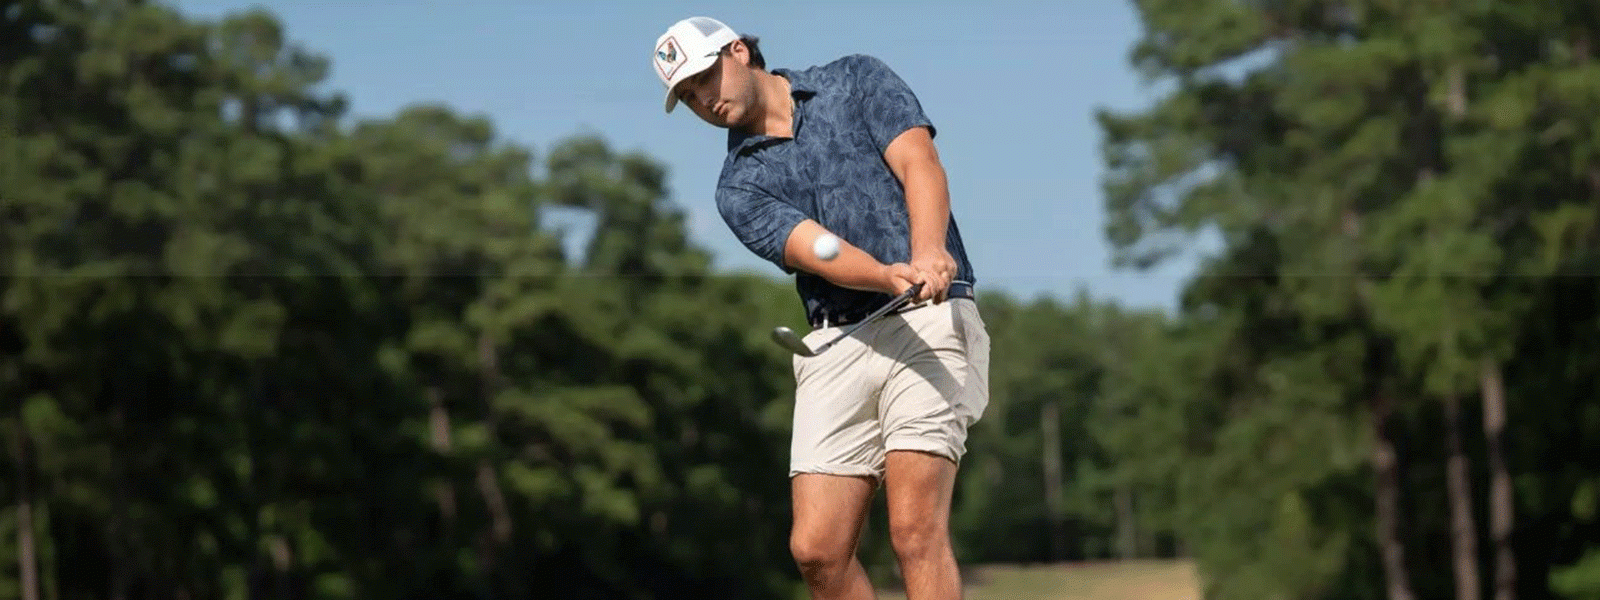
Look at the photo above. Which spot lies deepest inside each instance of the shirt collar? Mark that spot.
(800, 82)
(800, 88)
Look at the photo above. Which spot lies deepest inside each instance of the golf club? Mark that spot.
(791, 341)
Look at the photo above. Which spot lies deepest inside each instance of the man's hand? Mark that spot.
(901, 276)
(940, 269)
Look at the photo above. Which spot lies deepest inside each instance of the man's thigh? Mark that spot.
(942, 385)
(829, 511)
(836, 426)
(918, 486)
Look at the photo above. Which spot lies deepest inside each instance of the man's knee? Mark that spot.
(918, 536)
(828, 511)
(818, 553)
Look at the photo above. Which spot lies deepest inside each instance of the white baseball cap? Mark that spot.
(688, 47)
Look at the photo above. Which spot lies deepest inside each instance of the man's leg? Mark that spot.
(828, 514)
(919, 485)
(928, 407)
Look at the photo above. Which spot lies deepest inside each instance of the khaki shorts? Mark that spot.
(916, 380)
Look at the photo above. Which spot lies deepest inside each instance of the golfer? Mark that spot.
(845, 148)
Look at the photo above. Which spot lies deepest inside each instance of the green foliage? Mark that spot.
(1580, 581)
(266, 351)
(1402, 191)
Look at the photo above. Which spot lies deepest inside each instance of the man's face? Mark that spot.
(723, 94)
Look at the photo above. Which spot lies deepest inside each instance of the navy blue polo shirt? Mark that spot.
(833, 172)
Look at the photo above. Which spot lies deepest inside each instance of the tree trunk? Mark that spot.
(439, 440)
(27, 549)
(1127, 528)
(495, 500)
(256, 427)
(1501, 510)
(118, 529)
(1463, 530)
(1458, 475)
(1050, 418)
(1385, 458)
(26, 555)
(1386, 484)
(499, 534)
(282, 563)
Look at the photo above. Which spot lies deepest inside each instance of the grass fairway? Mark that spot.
(1130, 580)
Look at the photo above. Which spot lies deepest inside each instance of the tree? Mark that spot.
(266, 354)
(1398, 183)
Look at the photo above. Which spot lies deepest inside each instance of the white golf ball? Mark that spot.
(826, 246)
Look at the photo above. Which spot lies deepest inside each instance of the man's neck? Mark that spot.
(777, 106)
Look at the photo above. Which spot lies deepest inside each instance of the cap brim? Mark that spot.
(689, 69)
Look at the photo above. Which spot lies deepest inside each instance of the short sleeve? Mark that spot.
(888, 105)
(760, 221)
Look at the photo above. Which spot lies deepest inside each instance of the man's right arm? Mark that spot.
(781, 234)
(853, 268)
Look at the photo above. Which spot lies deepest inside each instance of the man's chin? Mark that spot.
(714, 121)
(735, 121)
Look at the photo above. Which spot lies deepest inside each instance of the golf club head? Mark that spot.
(791, 341)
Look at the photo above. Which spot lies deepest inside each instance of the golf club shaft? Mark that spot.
(895, 304)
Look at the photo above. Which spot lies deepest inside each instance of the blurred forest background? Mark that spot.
(252, 348)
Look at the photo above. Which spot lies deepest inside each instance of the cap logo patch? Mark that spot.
(669, 58)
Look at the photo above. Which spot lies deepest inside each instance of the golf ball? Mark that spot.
(826, 246)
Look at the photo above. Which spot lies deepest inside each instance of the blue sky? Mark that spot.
(1012, 86)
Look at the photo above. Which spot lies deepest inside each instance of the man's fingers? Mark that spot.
(941, 272)
(934, 286)
(902, 276)
(913, 276)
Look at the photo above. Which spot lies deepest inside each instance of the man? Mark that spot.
(845, 148)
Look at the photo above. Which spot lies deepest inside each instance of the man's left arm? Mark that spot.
(915, 161)
(904, 135)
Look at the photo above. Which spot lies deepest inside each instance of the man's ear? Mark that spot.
(738, 50)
